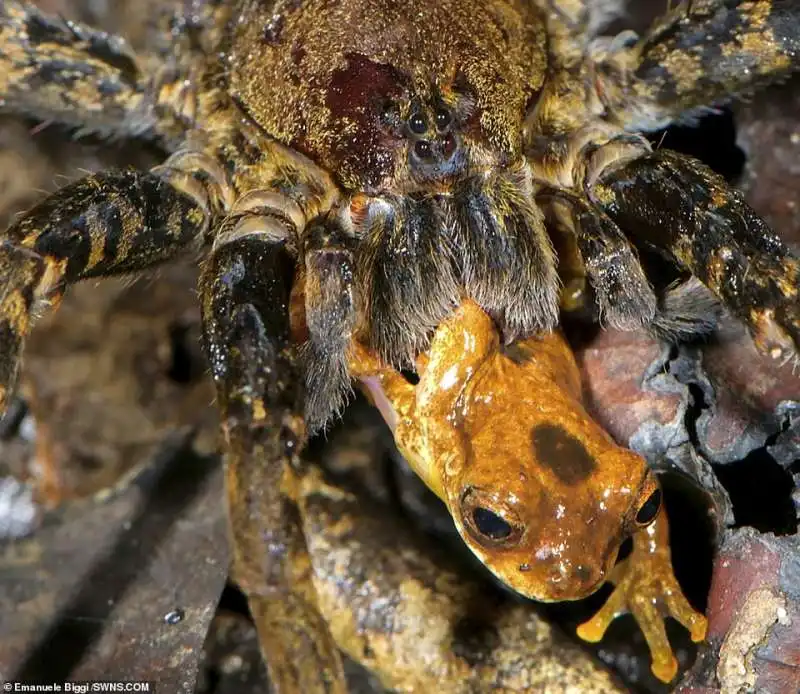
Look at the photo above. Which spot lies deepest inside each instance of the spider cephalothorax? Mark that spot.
(425, 140)
(355, 169)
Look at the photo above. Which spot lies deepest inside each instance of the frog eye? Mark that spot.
(490, 524)
(649, 509)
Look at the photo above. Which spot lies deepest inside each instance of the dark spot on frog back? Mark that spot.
(356, 96)
(565, 455)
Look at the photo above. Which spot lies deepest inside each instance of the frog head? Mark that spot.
(539, 491)
(543, 497)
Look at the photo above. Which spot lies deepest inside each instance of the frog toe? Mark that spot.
(679, 608)
(650, 619)
(593, 629)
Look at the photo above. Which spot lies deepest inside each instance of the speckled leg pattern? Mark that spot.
(680, 207)
(105, 224)
(60, 70)
(245, 289)
(697, 54)
(622, 291)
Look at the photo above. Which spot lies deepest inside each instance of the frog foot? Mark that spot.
(647, 588)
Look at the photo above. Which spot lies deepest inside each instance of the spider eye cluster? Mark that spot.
(432, 133)
(433, 142)
(417, 124)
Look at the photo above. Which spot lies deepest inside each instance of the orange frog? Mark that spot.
(538, 491)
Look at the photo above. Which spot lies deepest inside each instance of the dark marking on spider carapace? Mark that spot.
(358, 96)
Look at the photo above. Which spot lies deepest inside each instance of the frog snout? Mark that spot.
(574, 582)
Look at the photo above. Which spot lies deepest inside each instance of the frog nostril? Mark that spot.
(583, 573)
(559, 582)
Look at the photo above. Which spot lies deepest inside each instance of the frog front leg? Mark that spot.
(645, 586)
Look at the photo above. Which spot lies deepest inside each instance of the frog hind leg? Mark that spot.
(645, 586)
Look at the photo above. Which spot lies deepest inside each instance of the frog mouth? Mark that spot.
(569, 592)
(559, 581)
(545, 589)
(372, 385)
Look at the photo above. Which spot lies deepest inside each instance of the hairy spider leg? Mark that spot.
(108, 223)
(62, 71)
(697, 54)
(678, 206)
(666, 201)
(58, 70)
(245, 291)
(622, 291)
(557, 140)
(331, 313)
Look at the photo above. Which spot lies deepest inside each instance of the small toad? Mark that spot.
(538, 491)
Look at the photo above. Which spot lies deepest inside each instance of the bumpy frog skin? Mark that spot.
(538, 491)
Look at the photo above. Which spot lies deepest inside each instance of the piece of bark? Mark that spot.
(754, 618)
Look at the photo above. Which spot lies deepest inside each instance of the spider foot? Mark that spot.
(776, 330)
(647, 588)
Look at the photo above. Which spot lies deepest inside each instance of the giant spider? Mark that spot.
(355, 170)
